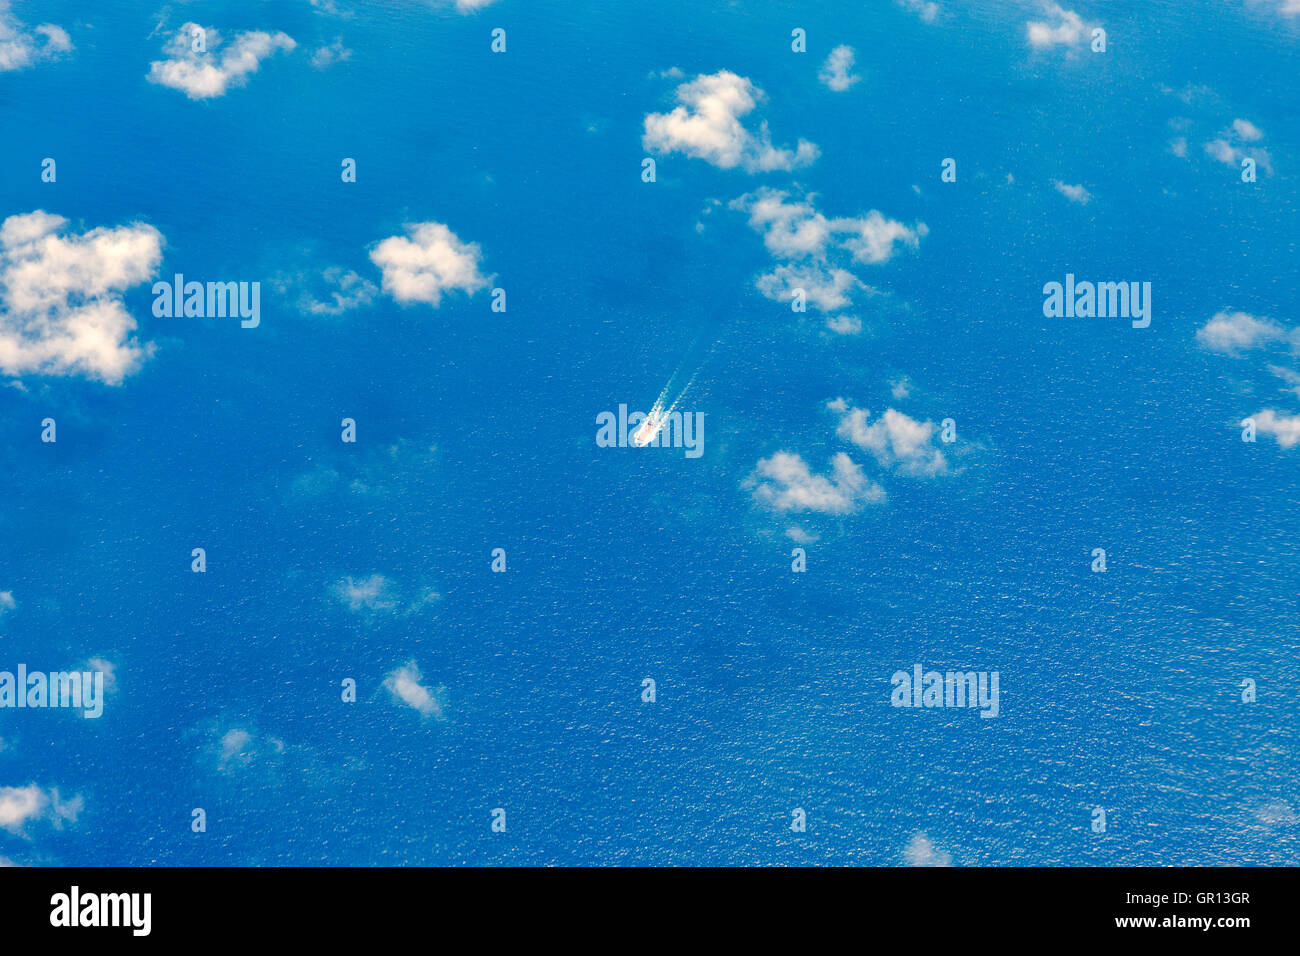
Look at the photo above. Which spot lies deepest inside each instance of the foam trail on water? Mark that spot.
(657, 409)
(658, 415)
(682, 394)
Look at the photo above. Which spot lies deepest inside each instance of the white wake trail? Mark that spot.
(682, 394)
(658, 416)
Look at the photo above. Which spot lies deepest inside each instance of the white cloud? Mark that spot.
(21, 47)
(431, 261)
(1285, 428)
(469, 6)
(1068, 29)
(20, 806)
(105, 667)
(234, 743)
(377, 594)
(927, 10)
(404, 684)
(207, 74)
(799, 536)
(1286, 8)
(785, 483)
(844, 324)
(331, 8)
(1278, 812)
(1179, 147)
(873, 237)
(7, 602)
(896, 441)
(240, 749)
(837, 71)
(921, 851)
(1222, 150)
(374, 593)
(1073, 193)
(1233, 332)
(1231, 146)
(61, 311)
(707, 125)
(383, 473)
(1247, 130)
(793, 229)
(824, 288)
(1290, 376)
(327, 56)
(790, 230)
(345, 290)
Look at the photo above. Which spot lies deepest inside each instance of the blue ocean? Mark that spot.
(462, 630)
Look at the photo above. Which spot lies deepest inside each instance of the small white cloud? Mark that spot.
(469, 6)
(1278, 812)
(1232, 146)
(345, 290)
(383, 473)
(899, 389)
(327, 56)
(374, 593)
(927, 10)
(21, 806)
(707, 125)
(1290, 376)
(837, 71)
(1232, 332)
(331, 8)
(234, 743)
(105, 667)
(211, 72)
(1285, 428)
(793, 229)
(428, 261)
(844, 324)
(785, 483)
(7, 602)
(21, 47)
(921, 851)
(241, 749)
(405, 685)
(1073, 193)
(61, 310)
(1179, 147)
(790, 229)
(1222, 150)
(873, 237)
(1246, 130)
(824, 288)
(1067, 28)
(895, 440)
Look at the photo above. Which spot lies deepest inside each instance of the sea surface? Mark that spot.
(476, 430)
